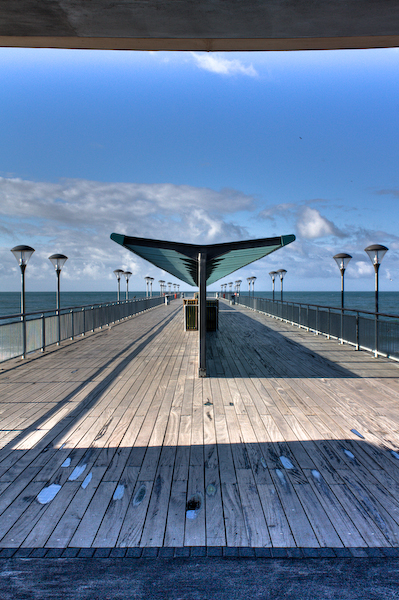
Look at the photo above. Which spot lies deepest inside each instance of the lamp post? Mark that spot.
(58, 261)
(376, 253)
(118, 273)
(230, 287)
(273, 276)
(253, 286)
(249, 279)
(151, 280)
(23, 254)
(281, 273)
(147, 284)
(170, 287)
(161, 282)
(127, 275)
(238, 283)
(342, 261)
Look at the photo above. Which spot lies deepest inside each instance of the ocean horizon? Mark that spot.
(44, 301)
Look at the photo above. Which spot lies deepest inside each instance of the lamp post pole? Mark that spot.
(376, 253)
(147, 286)
(342, 261)
(118, 273)
(58, 261)
(273, 276)
(23, 254)
(253, 286)
(282, 273)
(127, 275)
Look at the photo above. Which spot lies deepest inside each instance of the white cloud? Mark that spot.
(161, 210)
(312, 225)
(216, 63)
(76, 217)
(361, 269)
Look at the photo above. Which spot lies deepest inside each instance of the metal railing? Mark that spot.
(375, 332)
(24, 333)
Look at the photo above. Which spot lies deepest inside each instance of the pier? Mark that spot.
(111, 441)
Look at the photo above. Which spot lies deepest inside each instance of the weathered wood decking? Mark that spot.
(135, 450)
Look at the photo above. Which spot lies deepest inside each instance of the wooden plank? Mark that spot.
(155, 523)
(296, 515)
(88, 526)
(255, 523)
(214, 519)
(175, 525)
(132, 527)
(236, 533)
(44, 526)
(111, 524)
(279, 529)
(69, 522)
(194, 534)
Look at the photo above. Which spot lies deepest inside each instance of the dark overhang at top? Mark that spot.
(181, 260)
(200, 24)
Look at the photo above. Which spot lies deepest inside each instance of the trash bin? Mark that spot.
(190, 307)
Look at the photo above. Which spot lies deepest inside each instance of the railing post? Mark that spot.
(72, 325)
(342, 326)
(329, 323)
(357, 331)
(307, 317)
(23, 336)
(84, 321)
(43, 333)
(376, 336)
(317, 320)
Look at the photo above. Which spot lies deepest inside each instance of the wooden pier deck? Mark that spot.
(112, 440)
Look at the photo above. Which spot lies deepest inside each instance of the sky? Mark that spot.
(199, 148)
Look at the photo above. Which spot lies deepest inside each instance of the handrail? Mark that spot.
(24, 333)
(355, 310)
(379, 334)
(69, 308)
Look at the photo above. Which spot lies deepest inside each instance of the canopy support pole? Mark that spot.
(202, 313)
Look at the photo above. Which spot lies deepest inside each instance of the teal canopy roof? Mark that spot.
(181, 260)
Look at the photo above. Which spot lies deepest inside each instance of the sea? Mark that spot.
(42, 301)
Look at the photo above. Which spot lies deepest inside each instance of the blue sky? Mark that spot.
(199, 147)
